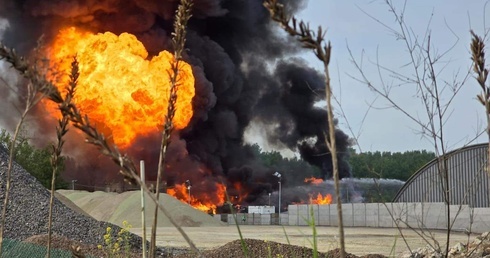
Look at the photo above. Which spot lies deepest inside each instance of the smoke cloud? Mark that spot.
(231, 45)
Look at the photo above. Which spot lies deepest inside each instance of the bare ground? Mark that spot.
(359, 241)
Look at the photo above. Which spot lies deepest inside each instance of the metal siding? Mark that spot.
(468, 182)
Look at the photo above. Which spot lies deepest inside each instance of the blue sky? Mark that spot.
(350, 26)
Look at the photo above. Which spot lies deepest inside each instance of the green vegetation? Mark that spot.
(391, 165)
(294, 169)
(396, 165)
(377, 192)
(36, 161)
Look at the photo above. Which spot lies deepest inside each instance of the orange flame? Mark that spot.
(320, 199)
(313, 180)
(121, 91)
(241, 193)
(206, 203)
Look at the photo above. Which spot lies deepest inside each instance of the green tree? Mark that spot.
(293, 169)
(396, 165)
(36, 161)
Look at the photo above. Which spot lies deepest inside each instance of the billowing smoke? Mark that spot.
(244, 73)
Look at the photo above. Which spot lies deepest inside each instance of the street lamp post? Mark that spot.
(188, 183)
(280, 201)
(278, 175)
(269, 199)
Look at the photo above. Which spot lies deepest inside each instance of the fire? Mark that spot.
(121, 91)
(320, 199)
(207, 203)
(241, 193)
(314, 180)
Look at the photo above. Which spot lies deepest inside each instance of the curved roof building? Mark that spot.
(468, 179)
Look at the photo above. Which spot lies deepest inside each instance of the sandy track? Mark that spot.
(359, 241)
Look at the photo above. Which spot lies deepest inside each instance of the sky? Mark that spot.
(365, 27)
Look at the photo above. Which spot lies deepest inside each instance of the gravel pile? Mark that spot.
(28, 207)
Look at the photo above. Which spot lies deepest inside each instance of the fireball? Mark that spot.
(124, 93)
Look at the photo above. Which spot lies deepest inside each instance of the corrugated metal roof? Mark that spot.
(468, 181)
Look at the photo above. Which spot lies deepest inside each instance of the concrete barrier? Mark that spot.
(359, 214)
(324, 215)
(372, 214)
(480, 220)
(415, 215)
(283, 220)
(385, 219)
(265, 219)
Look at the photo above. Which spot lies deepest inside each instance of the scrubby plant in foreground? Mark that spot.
(117, 246)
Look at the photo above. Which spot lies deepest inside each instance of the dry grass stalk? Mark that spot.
(182, 16)
(478, 58)
(316, 42)
(233, 212)
(61, 131)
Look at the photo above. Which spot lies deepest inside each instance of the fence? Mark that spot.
(17, 249)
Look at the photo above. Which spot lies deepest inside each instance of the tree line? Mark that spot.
(377, 164)
(393, 165)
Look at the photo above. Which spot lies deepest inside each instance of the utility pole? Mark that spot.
(143, 219)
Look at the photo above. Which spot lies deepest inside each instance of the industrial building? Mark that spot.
(468, 179)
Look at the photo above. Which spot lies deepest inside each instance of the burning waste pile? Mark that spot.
(227, 84)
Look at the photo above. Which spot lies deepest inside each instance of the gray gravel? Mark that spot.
(28, 207)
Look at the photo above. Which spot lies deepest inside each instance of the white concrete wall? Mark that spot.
(416, 215)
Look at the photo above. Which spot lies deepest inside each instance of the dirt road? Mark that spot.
(359, 241)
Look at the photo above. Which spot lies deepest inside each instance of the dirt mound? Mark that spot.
(261, 248)
(116, 208)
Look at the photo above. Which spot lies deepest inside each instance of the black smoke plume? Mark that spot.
(244, 74)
